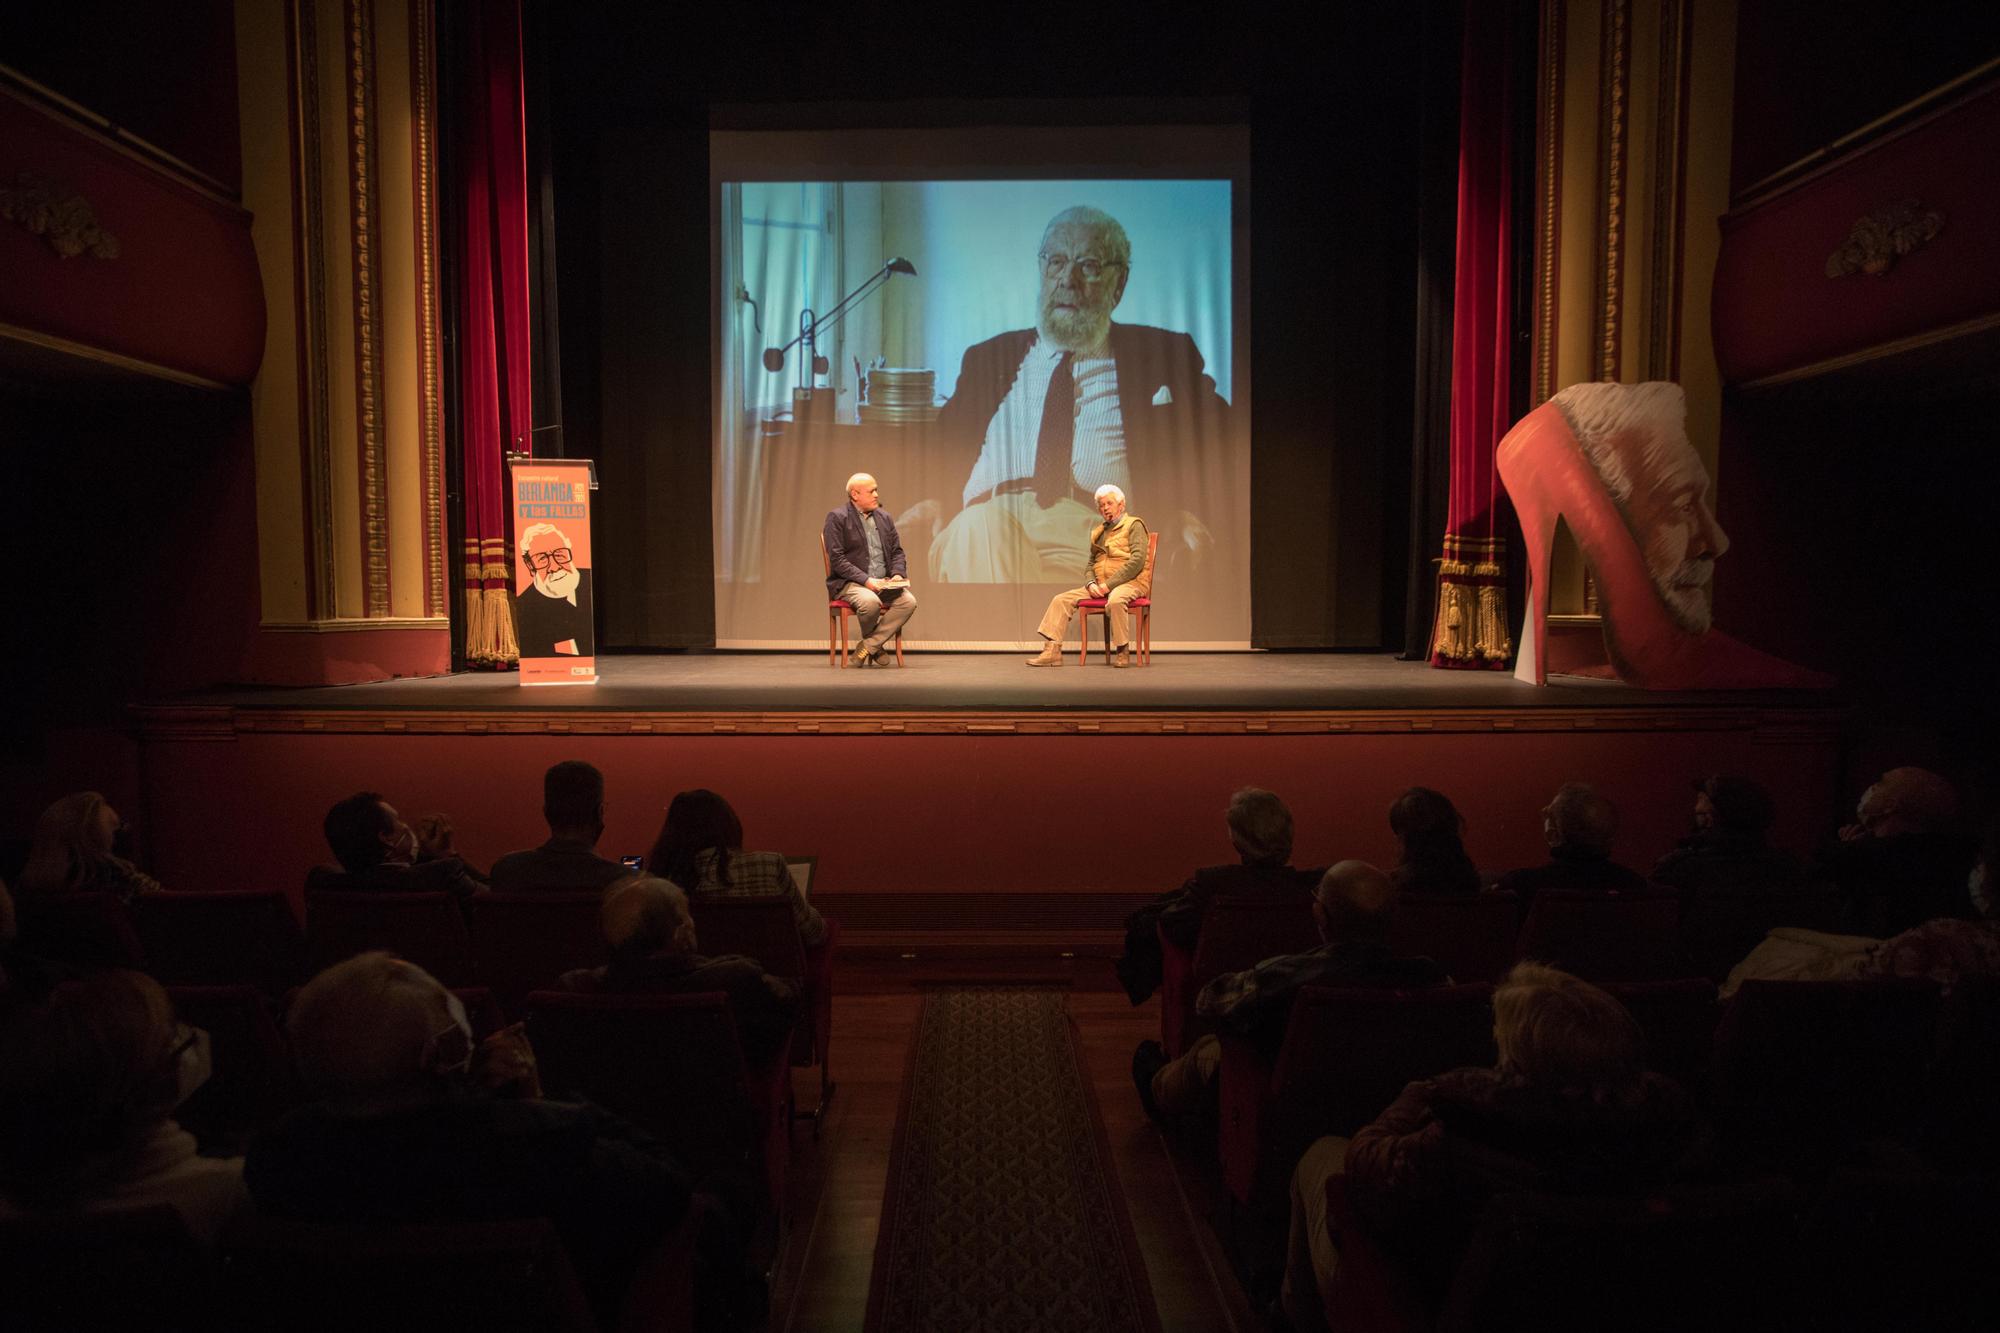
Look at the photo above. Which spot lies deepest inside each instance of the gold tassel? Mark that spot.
(1450, 633)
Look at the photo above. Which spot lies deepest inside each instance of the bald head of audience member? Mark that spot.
(1579, 819)
(647, 915)
(374, 1023)
(1353, 902)
(1260, 827)
(1904, 801)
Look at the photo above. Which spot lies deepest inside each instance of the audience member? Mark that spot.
(1352, 907)
(411, 1122)
(700, 848)
(1903, 860)
(1260, 829)
(90, 1076)
(653, 951)
(1727, 853)
(1578, 824)
(1432, 834)
(573, 805)
(1568, 1108)
(379, 853)
(79, 848)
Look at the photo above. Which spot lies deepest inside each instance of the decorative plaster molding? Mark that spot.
(309, 286)
(1614, 73)
(1884, 236)
(351, 625)
(57, 214)
(1548, 201)
(430, 405)
(362, 159)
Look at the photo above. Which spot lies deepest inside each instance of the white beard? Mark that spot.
(558, 583)
(1079, 330)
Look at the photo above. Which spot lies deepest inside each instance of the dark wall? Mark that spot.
(164, 72)
(1330, 102)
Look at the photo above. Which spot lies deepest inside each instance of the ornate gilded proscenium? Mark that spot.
(58, 215)
(1883, 237)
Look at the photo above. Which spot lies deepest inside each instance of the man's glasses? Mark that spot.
(1054, 266)
(543, 561)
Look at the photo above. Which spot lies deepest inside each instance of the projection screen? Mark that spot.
(924, 271)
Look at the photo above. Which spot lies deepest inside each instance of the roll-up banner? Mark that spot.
(553, 616)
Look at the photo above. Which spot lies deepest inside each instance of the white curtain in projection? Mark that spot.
(956, 363)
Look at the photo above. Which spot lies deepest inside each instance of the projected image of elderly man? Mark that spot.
(1050, 414)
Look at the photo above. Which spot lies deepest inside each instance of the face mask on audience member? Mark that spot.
(452, 1046)
(193, 1063)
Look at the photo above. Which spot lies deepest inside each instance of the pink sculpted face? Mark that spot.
(1670, 518)
(1636, 438)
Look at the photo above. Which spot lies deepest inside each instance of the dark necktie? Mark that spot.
(1053, 447)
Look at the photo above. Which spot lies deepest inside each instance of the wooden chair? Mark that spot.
(1142, 613)
(763, 928)
(1236, 933)
(522, 942)
(837, 616)
(427, 929)
(227, 938)
(1471, 937)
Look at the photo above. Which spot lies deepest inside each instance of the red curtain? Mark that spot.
(1470, 630)
(491, 181)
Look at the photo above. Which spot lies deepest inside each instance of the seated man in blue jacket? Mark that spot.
(866, 568)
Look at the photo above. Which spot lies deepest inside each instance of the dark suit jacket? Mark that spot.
(543, 622)
(847, 547)
(1148, 360)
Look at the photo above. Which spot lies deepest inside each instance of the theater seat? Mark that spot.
(1677, 1019)
(427, 929)
(251, 1079)
(522, 942)
(1471, 937)
(671, 1063)
(88, 929)
(509, 1277)
(1807, 1070)
(71, 1271)
(226, 938)
(1347, 1054)
(1718, 931)
(1236, 934)
(1604, 936)
(763, 927)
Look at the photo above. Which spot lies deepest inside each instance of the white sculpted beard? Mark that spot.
(1686, 587)
(1079, 330)
(557, 583)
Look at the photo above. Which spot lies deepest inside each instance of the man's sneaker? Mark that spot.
(1121, 657)
(1148, 1059)
(860, 657)
(1051, 655)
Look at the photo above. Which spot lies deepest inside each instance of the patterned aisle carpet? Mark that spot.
(1002, 1212)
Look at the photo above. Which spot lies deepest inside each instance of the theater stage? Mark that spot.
(966, 802)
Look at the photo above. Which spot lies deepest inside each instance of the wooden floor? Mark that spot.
(822, 1282)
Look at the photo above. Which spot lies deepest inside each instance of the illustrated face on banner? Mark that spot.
(1642, 454)
(1084, 267)
(551, 561)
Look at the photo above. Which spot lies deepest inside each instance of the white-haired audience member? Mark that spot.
(653, 952)
(1568, 1107)
(90, 1075)
(1118, 574)
(412, 1121)
(1903, 861)
(1579, 824)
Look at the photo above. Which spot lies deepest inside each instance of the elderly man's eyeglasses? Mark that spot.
(543, 561)
(1054, 266)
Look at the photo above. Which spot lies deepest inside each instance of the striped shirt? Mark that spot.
(757, 875)
(1098, 455)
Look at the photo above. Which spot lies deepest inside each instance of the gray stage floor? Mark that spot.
(710, 680)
